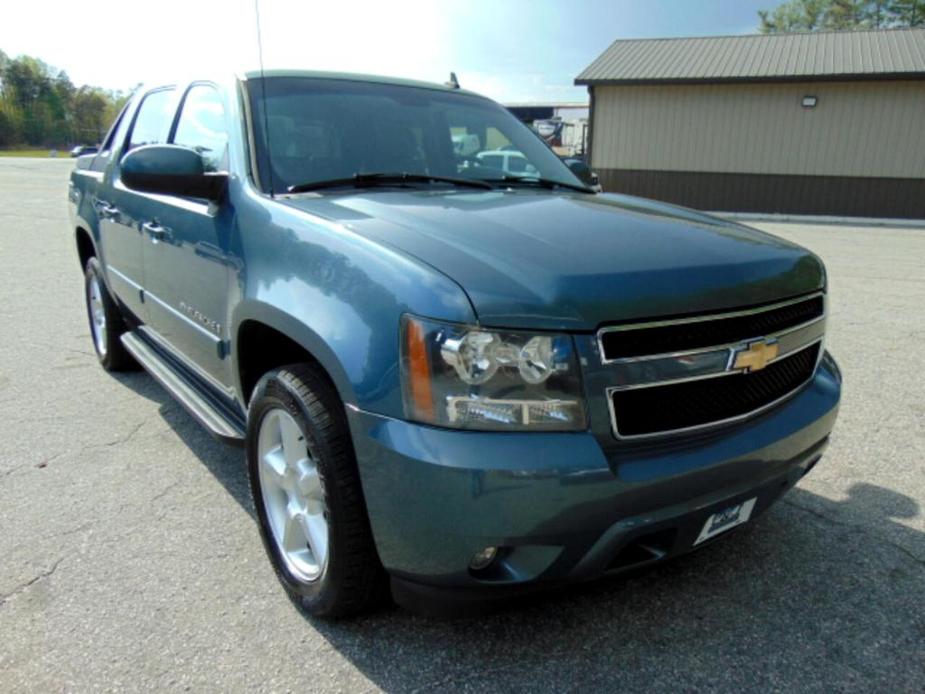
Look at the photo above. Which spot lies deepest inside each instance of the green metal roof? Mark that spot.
(869, 54)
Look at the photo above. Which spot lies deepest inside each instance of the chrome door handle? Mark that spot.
(105, 210)
(155, 231)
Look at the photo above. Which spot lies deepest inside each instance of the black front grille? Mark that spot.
(642, 341)
(658, 409)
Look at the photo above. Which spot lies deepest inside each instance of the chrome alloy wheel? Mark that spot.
(97, 314)
(293, 495)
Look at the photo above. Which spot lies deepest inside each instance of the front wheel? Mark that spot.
(307, 494)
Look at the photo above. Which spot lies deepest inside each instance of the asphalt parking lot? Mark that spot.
(129, 558)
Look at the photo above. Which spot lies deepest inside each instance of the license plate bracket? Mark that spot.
(726, 519)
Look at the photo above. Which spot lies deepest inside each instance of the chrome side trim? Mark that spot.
(698, 319)
(720, 422)
(125, 278)
(98, 175)
(186, 319)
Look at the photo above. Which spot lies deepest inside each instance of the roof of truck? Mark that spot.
(355, 77)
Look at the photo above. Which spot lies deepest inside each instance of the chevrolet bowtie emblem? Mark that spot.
(755, 356)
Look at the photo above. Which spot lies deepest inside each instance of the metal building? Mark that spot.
(826, 123)
(564, 126)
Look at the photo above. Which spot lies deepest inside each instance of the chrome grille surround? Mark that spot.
(653, 370)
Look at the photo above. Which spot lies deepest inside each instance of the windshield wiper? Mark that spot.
(538, 181)
(362, 180)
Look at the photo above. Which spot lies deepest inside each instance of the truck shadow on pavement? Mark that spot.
(815, 594)
(224, 462)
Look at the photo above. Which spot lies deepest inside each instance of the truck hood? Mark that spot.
(540, 259)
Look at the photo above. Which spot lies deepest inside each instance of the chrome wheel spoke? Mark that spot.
(273, 467)
(317, 535)
(293, 495)
(310, 485)
(294, 535)
(97, 314)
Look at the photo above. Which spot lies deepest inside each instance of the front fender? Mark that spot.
(337, 294)
(296, 330)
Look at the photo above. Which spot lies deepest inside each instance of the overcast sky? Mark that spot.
(510, 50)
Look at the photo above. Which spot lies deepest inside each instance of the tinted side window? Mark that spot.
(116, 134)
(517, 164)
(153, 119)
(202, 126)
(496, 160)
(111, 135)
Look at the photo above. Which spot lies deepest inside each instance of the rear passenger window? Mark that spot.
(202, 126)
(153, 119)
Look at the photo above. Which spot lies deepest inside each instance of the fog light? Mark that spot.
(481, 559)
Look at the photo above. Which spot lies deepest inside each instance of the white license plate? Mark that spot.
(725, 520)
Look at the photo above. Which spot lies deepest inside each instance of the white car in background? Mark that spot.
(509, 161)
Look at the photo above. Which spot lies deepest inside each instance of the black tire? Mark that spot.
(352, 577)
(111, 353)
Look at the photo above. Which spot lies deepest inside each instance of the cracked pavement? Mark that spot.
(130, 559)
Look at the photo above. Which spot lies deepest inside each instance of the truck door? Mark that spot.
(118, 208)
(185, 250)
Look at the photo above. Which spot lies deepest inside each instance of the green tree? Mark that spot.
(8, 132)
(844, 14)
(90, 112)
(59, 102)
(876, 14)
(27, 80)
(26, 85)
(841, 15)
(910, 13)
(793, 15)
(40, 106)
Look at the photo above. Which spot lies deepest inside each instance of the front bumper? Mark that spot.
(571, 506)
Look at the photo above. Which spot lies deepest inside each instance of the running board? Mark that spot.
(206, 409)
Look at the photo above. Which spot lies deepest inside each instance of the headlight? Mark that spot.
(467, 377)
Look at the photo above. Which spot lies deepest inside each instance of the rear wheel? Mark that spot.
(307, 494)
(106, 322)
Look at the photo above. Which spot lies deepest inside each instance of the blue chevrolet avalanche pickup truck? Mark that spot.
(468, 381)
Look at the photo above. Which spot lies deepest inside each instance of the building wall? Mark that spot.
(861, 150)
(839, 196)
(572, 112)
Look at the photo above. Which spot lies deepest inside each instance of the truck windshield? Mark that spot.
(323, 129)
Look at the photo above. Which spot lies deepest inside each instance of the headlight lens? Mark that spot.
(467, 377)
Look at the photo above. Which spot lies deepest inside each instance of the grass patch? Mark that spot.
(34, 153)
